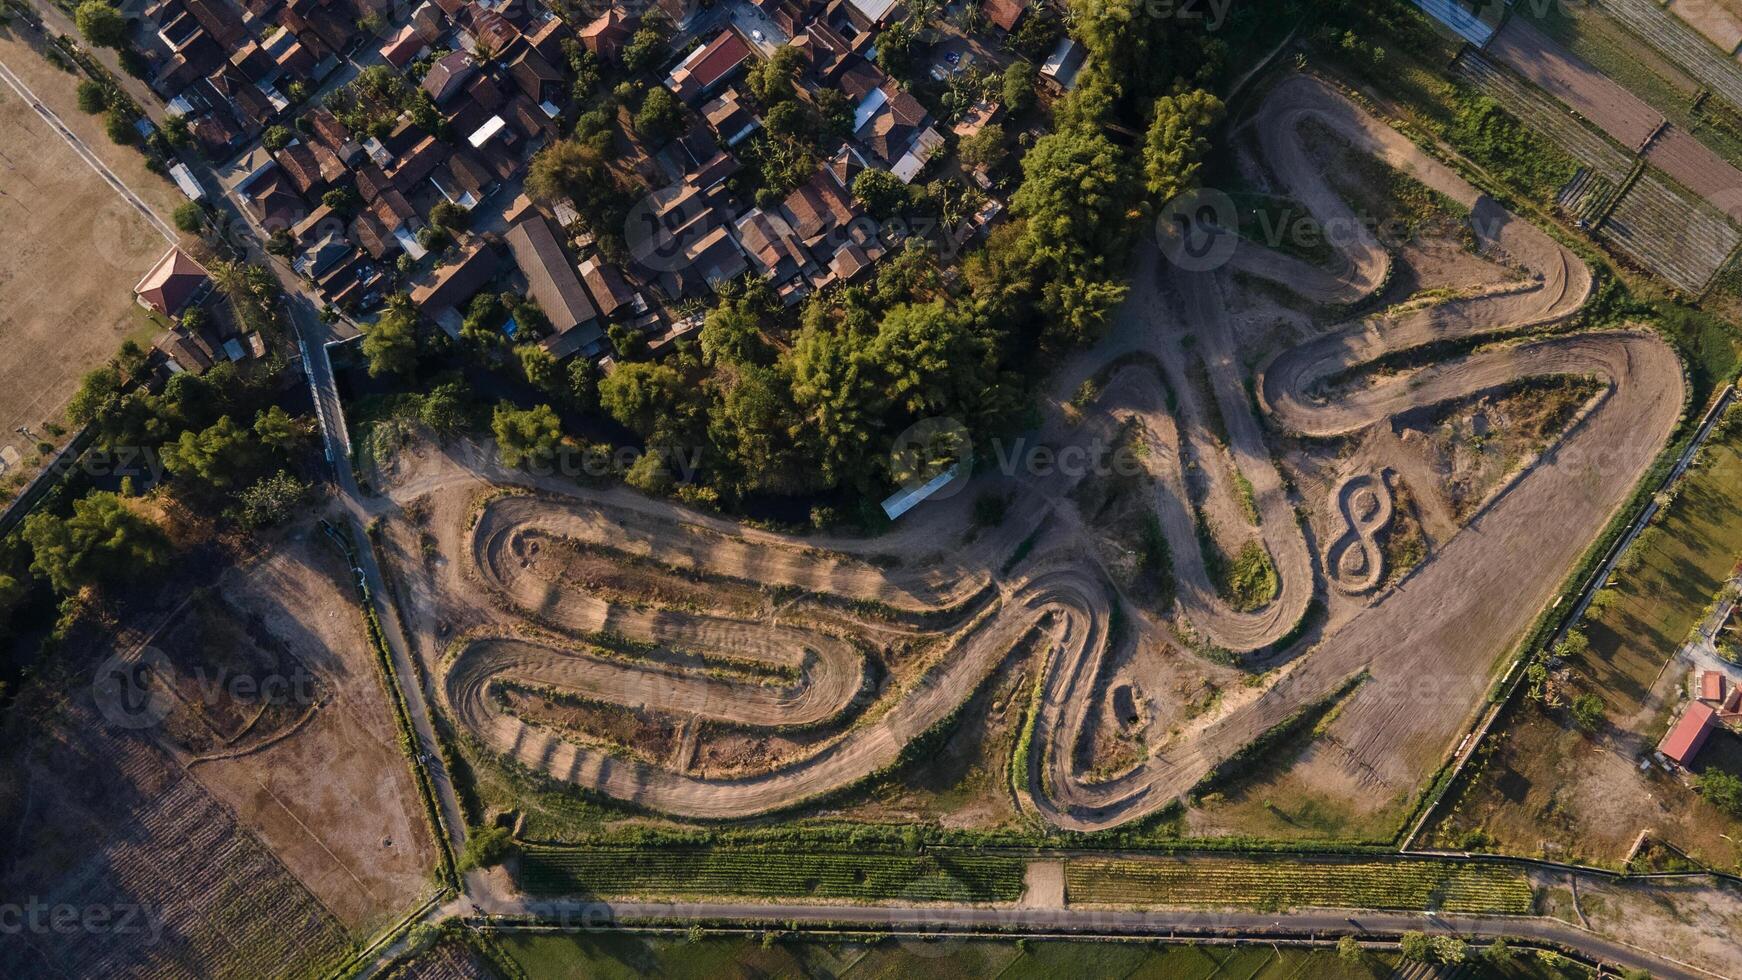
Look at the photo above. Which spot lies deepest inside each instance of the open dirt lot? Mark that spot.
(327, 786)
(73, 251)
(823, 660)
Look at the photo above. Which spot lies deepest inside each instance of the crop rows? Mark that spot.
(1545, 115)
(1441, 885)
(223, 904)
(871, 877)
(1688, 48)
(1585, 196)
(1665, 233)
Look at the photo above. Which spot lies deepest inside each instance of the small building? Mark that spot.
(1004, 14)
(1064, 63)
(455, 283)
(1712, 687)
(171, 284)
(708, 67)
(404, 47)
(1689, 733)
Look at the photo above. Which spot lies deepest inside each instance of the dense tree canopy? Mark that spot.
(103, 541)
(1178, 139)
(391, 343)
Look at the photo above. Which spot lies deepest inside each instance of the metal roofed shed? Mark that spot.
(906, 499)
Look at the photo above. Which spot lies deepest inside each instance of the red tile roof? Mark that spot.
(1684, 740)
(1711, 686)
(171, 282)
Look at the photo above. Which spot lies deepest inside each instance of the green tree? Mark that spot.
(1721, 789)
(931, 359)
(1415, 947)
(391, 343)
(343, 200)
(985, 148)
(1349, 950)
(1588, 711)
(92, 98)
(771, 82)
(278, 430)
(1074, 202)
(486, 847)
(732, 332)
(660, 116)
(839, 396)
(119, 128)
(97, 393)
(1450, 950)
(639, 394)
(1500, 953)
(190, 217)
(271, 500)
(540, 368)
(583, 384)
(526, 435)
(101, 24)
(881, 192)
(277, 138)
(444, 409)
(1174, 149)
(1017, 86)
(218, 458)
(103, 541)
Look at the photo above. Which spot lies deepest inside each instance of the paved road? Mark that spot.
(84, 152)
(1320, 924)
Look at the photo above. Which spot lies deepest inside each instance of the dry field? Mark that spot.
(104, 822)
(695, 668)
(73, 251)
(319, 775)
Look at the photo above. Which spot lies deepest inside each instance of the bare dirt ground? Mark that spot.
(1692, 920)
(838, 612)
(74, 250)
(329, 790)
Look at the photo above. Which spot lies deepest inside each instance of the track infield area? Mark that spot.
(73, 251)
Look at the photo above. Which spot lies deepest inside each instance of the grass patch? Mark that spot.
(1669, 576)
(1275, 885)
(867, 877)
(1247, 582)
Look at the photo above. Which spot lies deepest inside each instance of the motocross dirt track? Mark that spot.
(1428, 646)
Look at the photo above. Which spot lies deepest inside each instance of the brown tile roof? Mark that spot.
(371, 236)
(607, 286)
(445, 76)
(392, 210)
(535, 76)
(171, 282)
(417, 162)
(550, 277)
(607, 34)
(1004, 13)
(453, 284)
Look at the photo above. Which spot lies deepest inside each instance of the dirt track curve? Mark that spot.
(1428, 646)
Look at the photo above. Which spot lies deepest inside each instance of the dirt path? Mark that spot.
(1428, 646)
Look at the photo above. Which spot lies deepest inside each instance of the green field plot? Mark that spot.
(1424, 884)
(1672, 573)
(763, 874)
